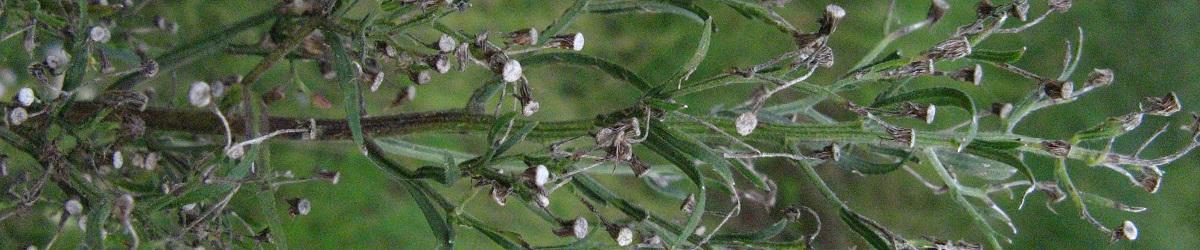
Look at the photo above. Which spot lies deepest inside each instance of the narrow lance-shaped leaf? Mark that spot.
(755, 11)
(858, 225)
(952, 183)
(437, 223)
(756, 236)
(663, 147)
(612, 69)
(565, 20)
(941, 96)
(675, 7)
(697, 57)
(997, 56)
(989, 150)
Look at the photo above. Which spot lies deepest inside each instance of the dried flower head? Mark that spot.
(1162, 106)
(1060, 6)
(439, 62)
(537, 175)
(973, 75)
(500, 193)
(299, 206)
(117, 159)
(1002, 110)
(1127, 231)
(1129, 121)
(904, 136)
(914, 69)
(567, 41)
(689, 204)
(331, 176)
(924, 112)
(832, 152)
(1020, 9)
(829, 21)
(623, 236)
(523, 37)
(1150, 181)
(1058, 148)
(528, 108)
(25, 97)
(1058, 90)
(953, 49)
(405, 95)
(200, 94)
(1099, 78)
(937, 9)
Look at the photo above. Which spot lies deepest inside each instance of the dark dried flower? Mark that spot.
(405, 95)
(984, 9)
(914, 69)
(331, 176)
(577, 228)
(1162, 106)
(1127, 231)
(1058, 148)
(1150, 181)
(149, 68)
(277, 93)
(1020, 9)
(924, 112)
(500, 193)
(937, 10)
(829, 21)
(904, 136)
(832, 152)
(689, 204)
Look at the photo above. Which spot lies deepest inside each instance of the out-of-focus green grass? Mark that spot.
(1151, 45)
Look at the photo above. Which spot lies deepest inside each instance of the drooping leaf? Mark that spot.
(972, 165)
(983, 149)
(420, 152)
(997, 56)
(858, 225)
(659, 142)
(437, 222)
(941, 96)
(753, 10)
(688, 145)
(980, 222)
(756, 236)
(852, 161)
(615, 70)
(349, 85)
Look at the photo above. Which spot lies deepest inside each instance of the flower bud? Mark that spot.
(833, 15)
(937, 9)
(1002, 110)
(833, 152)
(528, 108)
(537, 175)
(973, 75)
(420, 77)
(405, 95)
(568, 41)
(1020, 9)
(1099, 78)
(200, 94)
(277, 93)
(331, 176)
(926, 112)
(386, 49)
(1150, 181)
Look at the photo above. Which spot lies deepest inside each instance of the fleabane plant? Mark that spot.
(134, 173)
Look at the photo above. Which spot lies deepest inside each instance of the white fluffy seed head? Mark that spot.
(303, 206)
(543, 200)
(73, 207)
(541, 175)
(580, 229)
(117, 160)
(530, 108)
(1129, 231)
(624, 236)
(446, 43)
(577, 43)
(17, 116)
(511, 71)
(745, 123)
(835, 11)
(99, 34)
(200, 94)
(25, 97)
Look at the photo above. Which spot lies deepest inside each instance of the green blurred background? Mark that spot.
(1149, 44)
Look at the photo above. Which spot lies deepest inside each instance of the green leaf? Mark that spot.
(1110, 128)
(349, 85)
(753, 10)
(756, 236)
(859, 164)
(941, 96)
(693, 148)
(659, 142)
(858, 224)
(972, 165)
(506, 239)
(441, 229)
(674, 7)
(186, 53)
(997, 56)
(697, 57)
(955, 191)
(983, 149)
(96, 219)
(565, 20)
(890, 61)
(612, 69)
(420, 152)
(479, 98)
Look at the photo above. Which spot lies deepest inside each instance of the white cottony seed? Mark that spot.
(541, 175)
(99, 34)
(511, 71)
(624, 236)
(73, 207)
(446, 43)
(530, 108)
(1128, 230)
(581, 228)
(25, 97)
(117, 160)
(303, 206)
(835, 10)
(577, 43)
(200, 94)
(17, 116)
(746, 122)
